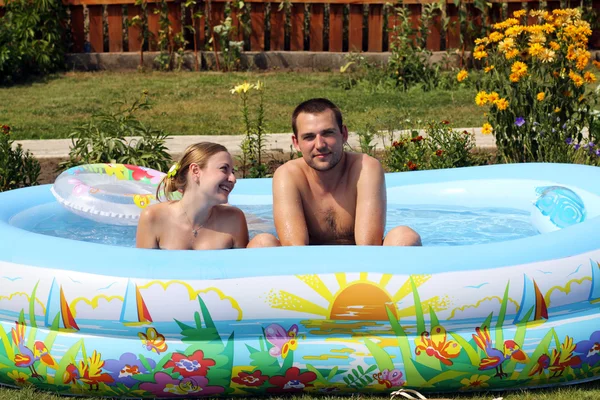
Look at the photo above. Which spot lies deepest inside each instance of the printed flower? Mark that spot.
(292, 382)
(194, 365)
(142, 200)
(462, 75)
(475, 382)
(165, 386)
(125, 368)
(487, 129)
(437, 345)
(541, 96)
(590, 349)
(254, 379)
(520, 121)
(19, 377)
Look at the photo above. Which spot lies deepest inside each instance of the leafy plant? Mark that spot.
(253, 144)
(31, 39)
(119, 137)
(17, 168)
(534, 86)
(231, 50)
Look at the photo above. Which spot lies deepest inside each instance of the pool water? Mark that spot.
(437, 225)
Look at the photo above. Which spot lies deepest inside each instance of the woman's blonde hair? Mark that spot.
(176, 179)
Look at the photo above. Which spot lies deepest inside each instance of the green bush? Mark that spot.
(119, 137)
(17, 168)
(31, 39)
(439, 146)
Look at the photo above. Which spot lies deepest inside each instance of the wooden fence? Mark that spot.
(308, 25)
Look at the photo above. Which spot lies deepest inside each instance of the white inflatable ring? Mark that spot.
(107, 193)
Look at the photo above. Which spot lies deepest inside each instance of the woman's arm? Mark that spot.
(146, 237)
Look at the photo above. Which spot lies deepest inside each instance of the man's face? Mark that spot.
(320, 140)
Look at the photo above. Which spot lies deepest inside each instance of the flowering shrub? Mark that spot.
(17, 168)
(438, 147)
(534, 85)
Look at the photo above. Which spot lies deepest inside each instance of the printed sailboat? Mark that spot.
(134, 311)
(595, 289)
(532, 300)
(58, 305)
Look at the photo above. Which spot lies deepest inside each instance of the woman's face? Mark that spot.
(216, 179)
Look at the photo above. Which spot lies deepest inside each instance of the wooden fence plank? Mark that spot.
(134, 31)
(453, 34)
(77, 28)
(316, 27)
(102, 2)
(96, 32)
(355, 28)
(277, 27)
(257, 18)
(435, 30)
(375, 27)
(115, 28)
(297, 29)
(392, 21)
(175, 17)
(153, 27)
(336, 27)
(217, 14)
(235, 22)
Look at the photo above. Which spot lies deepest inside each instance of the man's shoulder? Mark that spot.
(364, 163)
(290, 169)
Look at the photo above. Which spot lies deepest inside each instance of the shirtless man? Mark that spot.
(330, 196)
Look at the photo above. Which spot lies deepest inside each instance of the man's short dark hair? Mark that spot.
(316, 106)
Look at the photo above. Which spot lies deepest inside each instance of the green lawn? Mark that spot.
(191, 103)
(588, 391)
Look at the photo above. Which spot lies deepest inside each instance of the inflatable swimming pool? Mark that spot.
(88, 318)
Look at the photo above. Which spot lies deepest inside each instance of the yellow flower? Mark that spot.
(541, 96)
(243, 88)
(554, 46)
(596, 64)
(19, 377)
(488, 69)
(519, 68)
(260, 85)
(480, 54)
(487, 129)
(492, 97)
(511, 54)
(495, 37)
(547, 55)
(476, 382)
(519, 13)
(506, 45)
(462, 75)
(589, 77)
(481, 98)
(482, 41)
(557, 110)
(514, 31)
(514, 77)
(538, 38)
(536, 49)
(502, 104)
(576, 78)
(582, 62)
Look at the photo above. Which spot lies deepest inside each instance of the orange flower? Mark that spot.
(589, 77)
(502, 104)
(487, 129)
(541, 96)
(462, 75)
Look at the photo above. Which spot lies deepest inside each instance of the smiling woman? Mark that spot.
(475, 308)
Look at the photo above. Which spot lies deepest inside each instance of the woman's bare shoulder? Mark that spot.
(157, 212)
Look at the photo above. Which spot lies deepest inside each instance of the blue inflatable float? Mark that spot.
(499, 309)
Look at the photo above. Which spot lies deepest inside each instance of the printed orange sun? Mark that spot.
(352, 296)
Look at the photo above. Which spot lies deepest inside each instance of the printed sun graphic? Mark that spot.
(354, 296)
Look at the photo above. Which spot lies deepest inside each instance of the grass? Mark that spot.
(188, 103)
(589, 391)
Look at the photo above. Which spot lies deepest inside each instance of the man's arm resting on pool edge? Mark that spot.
(369, 222)
(288, 211)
